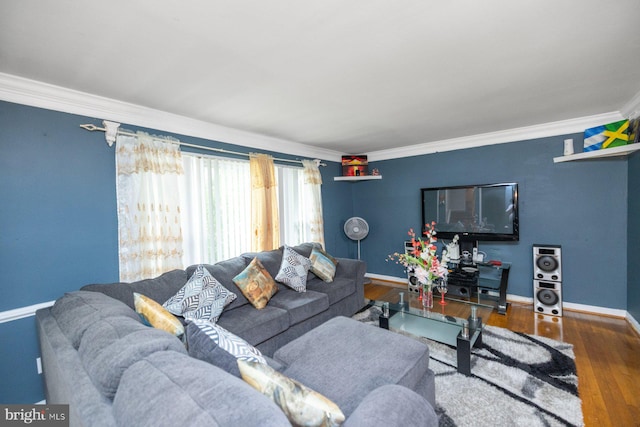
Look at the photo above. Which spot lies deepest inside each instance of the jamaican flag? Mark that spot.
(606, 136)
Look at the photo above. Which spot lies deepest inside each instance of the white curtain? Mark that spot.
(216, 208)
(313, 201)
(148, 173)
(291, 205)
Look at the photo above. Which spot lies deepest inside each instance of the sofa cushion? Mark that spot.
(159, 289)
(76, 311)
(108, 349)
(393, 402)
(189, 392)
(302, 405)
(338, 345)
(269, 259)
(214, 344)
(255, 326)
(323, 265)
(202, 297)
(304, 249)
(339, 289)
(153, 314)
(293, 270)
(104, 333)
(300, 306)
(224, 272)
(256, 284)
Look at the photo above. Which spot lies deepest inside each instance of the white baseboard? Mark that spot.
(22, 312)
(634, 323)
(594, 309)
(387, 278)
(518, 298)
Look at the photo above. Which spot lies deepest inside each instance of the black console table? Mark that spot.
(479, 280)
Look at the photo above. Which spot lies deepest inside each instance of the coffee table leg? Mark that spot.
(464, 355)
(383, 322)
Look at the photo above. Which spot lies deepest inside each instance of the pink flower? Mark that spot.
(422, 257)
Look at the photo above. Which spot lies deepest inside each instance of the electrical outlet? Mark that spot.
(39, 365)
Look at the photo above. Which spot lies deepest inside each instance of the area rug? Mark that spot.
(516, 380)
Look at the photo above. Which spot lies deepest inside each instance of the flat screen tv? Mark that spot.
(475, 212)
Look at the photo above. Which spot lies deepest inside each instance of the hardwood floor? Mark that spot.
(607, 352)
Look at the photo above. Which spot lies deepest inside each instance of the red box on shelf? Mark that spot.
(355, 165)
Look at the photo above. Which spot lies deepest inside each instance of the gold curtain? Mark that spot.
(265, 223)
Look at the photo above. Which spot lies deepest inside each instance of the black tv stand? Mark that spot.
(479, 282)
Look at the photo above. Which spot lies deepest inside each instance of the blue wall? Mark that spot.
(59, 226)
(633, 278)
(579, 205)
(58, 206)
(59, 229)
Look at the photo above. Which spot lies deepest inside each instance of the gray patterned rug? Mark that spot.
(517, 380)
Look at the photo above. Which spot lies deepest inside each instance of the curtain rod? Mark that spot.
(111, 130)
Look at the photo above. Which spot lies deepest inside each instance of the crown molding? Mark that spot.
(562, 127)
(43, 95)
(631, 109)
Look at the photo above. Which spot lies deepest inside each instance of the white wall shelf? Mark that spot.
(357, 178)
(623, 150)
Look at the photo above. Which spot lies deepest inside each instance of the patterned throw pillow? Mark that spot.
(303, 406)
(229, 342)
(202, 297)
(256, 284)
(293, 270)
(323, 265)
(153, 314)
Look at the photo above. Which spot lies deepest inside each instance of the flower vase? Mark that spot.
(427, 295)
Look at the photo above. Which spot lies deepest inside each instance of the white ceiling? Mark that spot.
(355, 76)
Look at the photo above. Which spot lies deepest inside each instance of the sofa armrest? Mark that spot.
(392, 405)
(355, 268)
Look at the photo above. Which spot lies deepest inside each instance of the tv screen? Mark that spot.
(476, 212)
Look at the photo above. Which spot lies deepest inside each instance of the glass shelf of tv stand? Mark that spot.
(491, 286)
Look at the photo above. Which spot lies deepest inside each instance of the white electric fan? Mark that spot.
(356, 228)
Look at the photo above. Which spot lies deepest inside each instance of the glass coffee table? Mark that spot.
(457, 323)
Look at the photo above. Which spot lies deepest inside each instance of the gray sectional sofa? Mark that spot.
(111, 369)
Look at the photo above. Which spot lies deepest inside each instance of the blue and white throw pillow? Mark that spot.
(323, 265)
(229, 342)
(293, 270)
(202, 297)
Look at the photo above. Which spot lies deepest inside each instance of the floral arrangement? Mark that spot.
(422, 259)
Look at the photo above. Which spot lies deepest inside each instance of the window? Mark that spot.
(216, 207)
(291, 205)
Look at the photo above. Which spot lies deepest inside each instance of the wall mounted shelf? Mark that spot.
(356, 178)
(623, 150)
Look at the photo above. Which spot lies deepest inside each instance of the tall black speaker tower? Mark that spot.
(413, 285)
